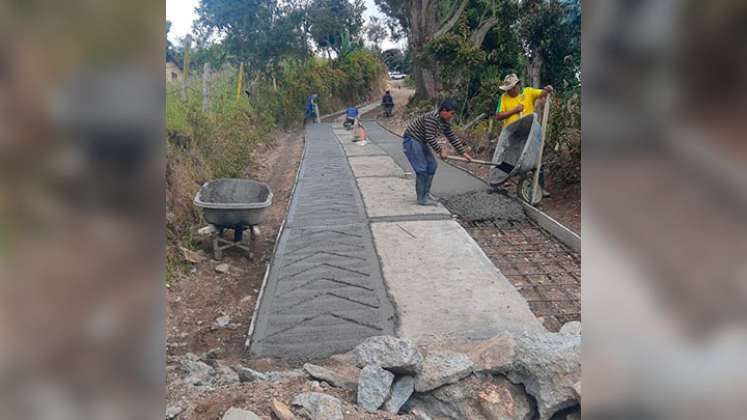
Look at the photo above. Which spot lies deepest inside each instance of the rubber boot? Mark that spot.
(427, 191)
(420, 183)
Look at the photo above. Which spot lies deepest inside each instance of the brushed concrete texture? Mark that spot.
(375, 166)
(386, 197)
(449, 180)
(324, 292)
(444, 286)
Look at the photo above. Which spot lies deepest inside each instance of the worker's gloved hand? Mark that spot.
(467, 156)
(442, 154)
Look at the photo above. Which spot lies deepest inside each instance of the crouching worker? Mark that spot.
(421, 136)
(351, 117)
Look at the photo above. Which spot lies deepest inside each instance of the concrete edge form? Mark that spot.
(555, 228)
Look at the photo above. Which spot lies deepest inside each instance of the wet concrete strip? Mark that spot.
(324, 292)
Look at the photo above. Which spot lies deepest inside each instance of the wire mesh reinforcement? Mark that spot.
(542, 269)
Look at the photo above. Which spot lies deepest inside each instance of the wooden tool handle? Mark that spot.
(479, 162)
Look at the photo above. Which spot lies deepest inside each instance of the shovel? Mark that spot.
(479, 162)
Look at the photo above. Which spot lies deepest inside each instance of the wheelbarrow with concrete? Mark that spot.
(518, 153)
(235, 204)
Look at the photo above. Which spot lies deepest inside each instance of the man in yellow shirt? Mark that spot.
(517, 102)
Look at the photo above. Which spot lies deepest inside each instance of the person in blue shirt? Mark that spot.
(311, 109)
(351, 116)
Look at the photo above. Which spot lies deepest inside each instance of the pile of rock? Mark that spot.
(508, 377)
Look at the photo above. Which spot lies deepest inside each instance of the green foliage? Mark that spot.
(257, 32)
(395, 60)
(457, 56)
(397, 14)
(552, 29)
(375, 32)
(330, 20)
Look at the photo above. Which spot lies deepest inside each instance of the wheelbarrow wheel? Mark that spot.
(524, 190)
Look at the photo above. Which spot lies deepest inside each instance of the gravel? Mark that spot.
(483, 205)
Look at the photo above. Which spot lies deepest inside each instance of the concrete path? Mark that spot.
(353, 217)
(324, 293)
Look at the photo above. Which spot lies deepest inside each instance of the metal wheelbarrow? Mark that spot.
(236, 204)
(518, 153)
(519, 146)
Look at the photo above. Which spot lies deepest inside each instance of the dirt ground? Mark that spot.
(564, 203)
(197, 299)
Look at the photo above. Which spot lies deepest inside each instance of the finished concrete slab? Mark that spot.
(324, 292)
(444, 286)
(392, 197)
(375, 166)
(449, 180)
(357, 148)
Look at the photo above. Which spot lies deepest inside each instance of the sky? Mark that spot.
(181, 13)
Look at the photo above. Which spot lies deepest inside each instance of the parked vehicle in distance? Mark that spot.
(395, 75)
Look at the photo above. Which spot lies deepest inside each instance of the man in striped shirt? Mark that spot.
(422, 132)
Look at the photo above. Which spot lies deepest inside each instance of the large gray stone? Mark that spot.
(373, 387)
(476, 398)
(248, 375)
(495, 352)
(198, 373)
(392, 353)
(234, 413)
(319, 406)
(549, 366)
(402, 389)
(225, 375)
(504, 401)
(441, 368)
(345, 377)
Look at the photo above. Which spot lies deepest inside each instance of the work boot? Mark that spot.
(428, 198)
(420, 182)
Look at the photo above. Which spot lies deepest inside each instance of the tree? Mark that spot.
(426, 21)
(375, 32)
(551, 33)
(395, 60)
(330, 20)
(259, 32)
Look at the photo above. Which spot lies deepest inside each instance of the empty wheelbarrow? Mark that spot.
(236, 204)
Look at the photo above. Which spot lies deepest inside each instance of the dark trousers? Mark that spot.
(423, 163)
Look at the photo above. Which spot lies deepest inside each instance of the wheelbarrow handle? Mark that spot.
(477, 161)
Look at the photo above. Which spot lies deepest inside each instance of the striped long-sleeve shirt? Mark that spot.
(427, 127)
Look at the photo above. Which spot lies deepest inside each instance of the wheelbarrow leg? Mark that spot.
(238, 234)
(217, 252)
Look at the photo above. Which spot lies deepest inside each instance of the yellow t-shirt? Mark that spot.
(507, 103)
